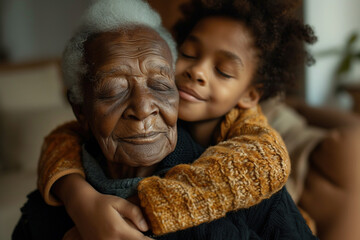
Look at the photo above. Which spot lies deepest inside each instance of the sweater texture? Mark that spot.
(249, 164)
(276, 218)
(273, 218)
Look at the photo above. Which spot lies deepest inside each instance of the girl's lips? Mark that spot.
(189, 95)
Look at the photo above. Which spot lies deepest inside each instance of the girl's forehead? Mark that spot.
(222, 26)
(223, 34)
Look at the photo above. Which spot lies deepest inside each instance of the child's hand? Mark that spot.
(103, 217)
(100, 216)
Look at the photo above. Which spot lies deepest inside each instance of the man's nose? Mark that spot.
(142, 104)
(197, 72)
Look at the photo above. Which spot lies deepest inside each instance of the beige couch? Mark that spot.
(32, 103)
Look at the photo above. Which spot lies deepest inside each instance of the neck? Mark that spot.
(121, 171)
(202, 131)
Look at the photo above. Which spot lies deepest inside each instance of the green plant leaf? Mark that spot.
(352, 39)
(348, 56)
(344, 65)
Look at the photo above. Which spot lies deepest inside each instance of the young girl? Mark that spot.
(231, 55)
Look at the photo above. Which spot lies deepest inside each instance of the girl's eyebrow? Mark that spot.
(193, 38)
(227, 54)
(231, 56)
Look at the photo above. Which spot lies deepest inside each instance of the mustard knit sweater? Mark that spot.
(249, 164)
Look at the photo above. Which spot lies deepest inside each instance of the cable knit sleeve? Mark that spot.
(249, 164)
(60, 156)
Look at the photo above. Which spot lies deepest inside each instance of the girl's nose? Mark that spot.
(197, 73)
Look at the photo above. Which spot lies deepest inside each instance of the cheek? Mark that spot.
(227, 97)
(180, 67)
(105, 119)
(169, 109)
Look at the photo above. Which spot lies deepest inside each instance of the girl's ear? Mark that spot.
(250, 97)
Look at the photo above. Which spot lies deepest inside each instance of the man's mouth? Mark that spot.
(190, 95)
(142, 138)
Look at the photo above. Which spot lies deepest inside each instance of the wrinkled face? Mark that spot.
(216, 64)
(131, 102)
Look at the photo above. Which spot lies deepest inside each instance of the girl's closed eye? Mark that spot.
(187, 55)
(188, 50)
(222, 73)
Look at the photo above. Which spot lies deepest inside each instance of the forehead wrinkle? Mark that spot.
(138, 46)
(154, 66)
(138, 54)
(137, 39)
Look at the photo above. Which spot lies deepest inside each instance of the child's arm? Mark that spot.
(248, 165)
(99, 216)
(60, 156)
(60, 173)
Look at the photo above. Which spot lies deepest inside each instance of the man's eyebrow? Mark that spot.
(120, 70)
(164, 69)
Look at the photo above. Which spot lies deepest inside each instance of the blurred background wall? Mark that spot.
(334, 21)
(38, 29)
(33, 34)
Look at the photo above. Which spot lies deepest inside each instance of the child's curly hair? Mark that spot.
(276, 30)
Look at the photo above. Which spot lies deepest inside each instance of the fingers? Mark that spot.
(130, 223)
(129, 231)
(133, 213)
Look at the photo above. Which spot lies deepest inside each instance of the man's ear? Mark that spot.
(250, 98)
(78, 111)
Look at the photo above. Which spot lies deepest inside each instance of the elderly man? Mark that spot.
(119, 69)
(119, 72)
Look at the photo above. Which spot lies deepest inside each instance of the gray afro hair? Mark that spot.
(106, 16)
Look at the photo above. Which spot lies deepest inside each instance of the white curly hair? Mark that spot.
(106, 16)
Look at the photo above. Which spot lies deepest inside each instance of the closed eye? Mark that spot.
(110, 95)
(111, 88)
(222, 73)
(159, 83)
(161, 87)
(187, 56)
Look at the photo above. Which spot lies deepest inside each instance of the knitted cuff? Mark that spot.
(171, 205)
(46, 191)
